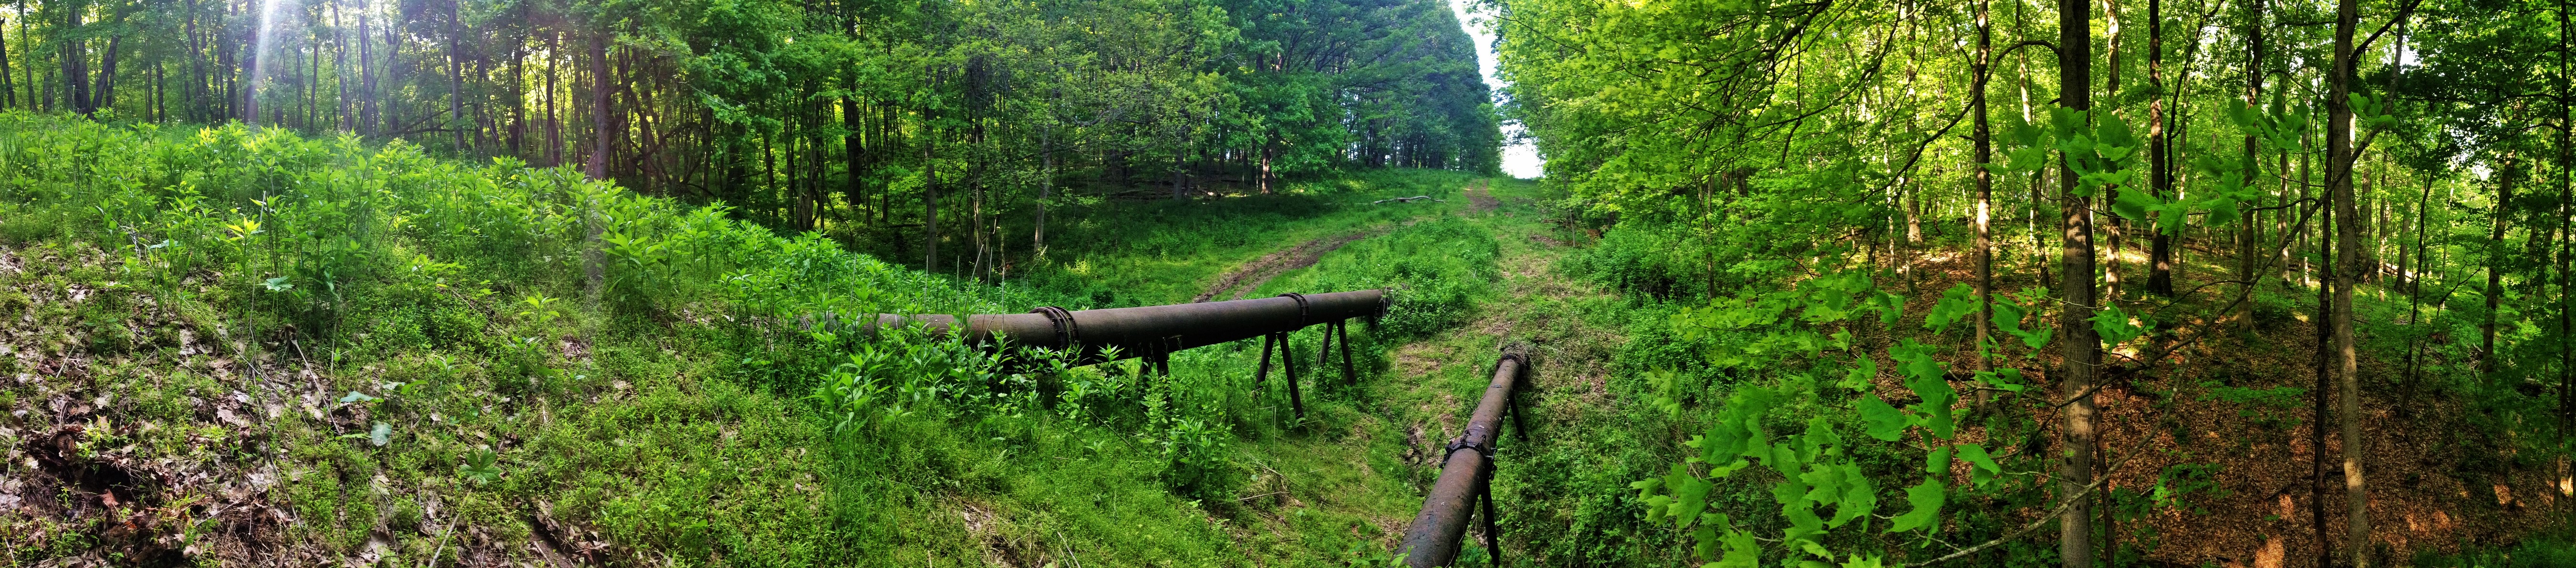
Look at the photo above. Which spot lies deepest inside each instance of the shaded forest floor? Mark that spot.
(2222, 431)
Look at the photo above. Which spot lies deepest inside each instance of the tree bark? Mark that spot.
(929, 194)
(2566, 159)
(1984, 139)
(2324, 374)
(2160, 256)
(104, 96)
(2495, 263)
(2248, 236)
(75, 63)
(597, 167)
(2340, 160)
(456, 121)
(2082, 349)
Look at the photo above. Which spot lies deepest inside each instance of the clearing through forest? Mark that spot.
(1243, 280)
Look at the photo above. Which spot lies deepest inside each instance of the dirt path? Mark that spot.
(1479, 200)
(1244, 279)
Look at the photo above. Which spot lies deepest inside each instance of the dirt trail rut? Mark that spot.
(1479, 200)
(1244, 279)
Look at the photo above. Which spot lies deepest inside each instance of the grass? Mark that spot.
(360, 352)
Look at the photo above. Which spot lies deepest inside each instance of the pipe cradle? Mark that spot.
(1145, 330)
(1466, 475)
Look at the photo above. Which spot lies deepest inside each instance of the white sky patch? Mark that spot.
(1520, 157)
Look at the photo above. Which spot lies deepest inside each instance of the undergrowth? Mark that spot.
(227, 339)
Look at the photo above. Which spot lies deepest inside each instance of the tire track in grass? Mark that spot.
(1244, 279)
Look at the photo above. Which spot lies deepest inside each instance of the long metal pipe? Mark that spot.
(1146, 331)
(1466, 477)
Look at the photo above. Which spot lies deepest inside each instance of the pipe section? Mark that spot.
(1466, 477)
(1147, 331)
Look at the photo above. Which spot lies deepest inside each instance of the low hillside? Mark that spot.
(237, 347)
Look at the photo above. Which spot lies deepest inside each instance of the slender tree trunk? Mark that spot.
(929, 194)
(456, 121)
(2160, 256)
(1046, 187)
(2083, 350)
(2340, 160)
(1983, 136)
(2506, 176)
(554, 122)
(75, 63)
(597, 167)
(367, 124)
(340, 71)
(2566, 160)
(2323, 372)
(105, 95)
(390, 112)
(2251, 233)
(853, 151)
(9, 90)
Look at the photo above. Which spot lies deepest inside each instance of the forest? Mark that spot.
(1799, 283)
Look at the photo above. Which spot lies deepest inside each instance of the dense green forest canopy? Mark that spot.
(805, 114)
(2147, 181)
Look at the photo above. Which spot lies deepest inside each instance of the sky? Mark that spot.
(1520, 158)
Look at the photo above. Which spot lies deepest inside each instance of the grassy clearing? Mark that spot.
(225, 341)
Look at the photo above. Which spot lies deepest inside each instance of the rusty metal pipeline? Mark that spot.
(1146, 331)
(1467, 475)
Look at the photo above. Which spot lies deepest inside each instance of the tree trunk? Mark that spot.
(1046, 187)
(2495, 263)
(2251, 233)
(929, 194)
(2083, 350)
(852, 152)
(456, 121)
(2340, 159)
(2160, 256)
(75, 63)
(2323, 372)
(105, 95)
(1983, 137)
(2566, 159)
(597, 167)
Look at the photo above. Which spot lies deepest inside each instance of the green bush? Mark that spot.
(1436, 268)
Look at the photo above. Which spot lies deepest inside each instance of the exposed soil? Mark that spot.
(1244, 279)
(2433, 485)
(1479, 200)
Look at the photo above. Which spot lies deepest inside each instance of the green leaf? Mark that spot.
(1891, 307)
(1937, 462)
(1926, 499)
(2136, 204)
(2009, 379)
(1741, 551)
(1804, 526)
(1959, 301)
(1861, 374)
(2170, 219)
(1859, 499)
(2114, 326)
(1689, 499)
(355, 396)
(381, 435)
(1986, 469)
(2222, 211)
(1883, 421)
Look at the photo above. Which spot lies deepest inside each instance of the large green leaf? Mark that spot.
(1882, 420)
(1926, 499)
